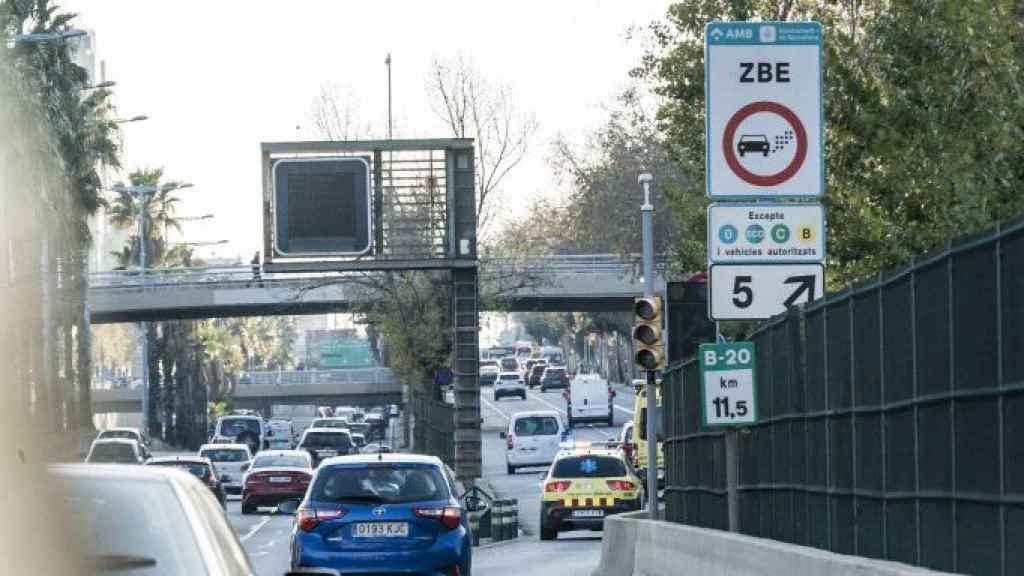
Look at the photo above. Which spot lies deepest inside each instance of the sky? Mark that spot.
(218, 78)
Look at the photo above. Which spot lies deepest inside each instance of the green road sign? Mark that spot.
(727, 385)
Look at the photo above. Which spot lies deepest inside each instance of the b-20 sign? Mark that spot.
(727, 385)
(763, 94)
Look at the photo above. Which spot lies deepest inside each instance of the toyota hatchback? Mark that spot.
(382, 514)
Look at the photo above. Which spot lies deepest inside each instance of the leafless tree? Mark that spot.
(472, 107)
(335, 116)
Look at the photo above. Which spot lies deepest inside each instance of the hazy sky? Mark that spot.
(216, 78)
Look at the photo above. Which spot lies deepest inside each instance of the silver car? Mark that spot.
(149, 520)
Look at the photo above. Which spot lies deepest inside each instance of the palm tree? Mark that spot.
(158, 210)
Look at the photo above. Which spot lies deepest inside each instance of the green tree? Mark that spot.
(924, 115)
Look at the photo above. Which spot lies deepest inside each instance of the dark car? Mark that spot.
(323, 443)
(554, 377)
(535, 373)
(753, 143)
(201, 468)
(378, 426)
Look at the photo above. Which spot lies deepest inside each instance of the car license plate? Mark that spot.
(382, 530)
(281, 479)
(588, 513)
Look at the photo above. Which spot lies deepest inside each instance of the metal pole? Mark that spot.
(143, 326)
(388, 62)
(647, 225)
(731, 465)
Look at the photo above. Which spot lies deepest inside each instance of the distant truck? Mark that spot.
(300, 415)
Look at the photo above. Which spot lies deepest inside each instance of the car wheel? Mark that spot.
(248, 508)
(495, 397)
(611, 420)
(510, 469)
(548, 532)
(523, 396)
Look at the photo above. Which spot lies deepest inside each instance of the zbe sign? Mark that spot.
(764, 109)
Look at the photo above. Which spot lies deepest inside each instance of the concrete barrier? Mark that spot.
(633, 545)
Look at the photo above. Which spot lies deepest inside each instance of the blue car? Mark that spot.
(383, 514)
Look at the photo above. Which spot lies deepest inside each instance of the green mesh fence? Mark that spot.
(891, 418)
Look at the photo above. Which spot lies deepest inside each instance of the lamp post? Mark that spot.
(139, 118)
(140, 192)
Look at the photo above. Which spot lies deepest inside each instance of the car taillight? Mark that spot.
(624, 485)
(611, 393)
(310, 518)
(449, 515)
(566, 395)
(557, 486)
(509, 442)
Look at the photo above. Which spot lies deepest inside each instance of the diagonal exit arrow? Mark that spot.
(804, 284)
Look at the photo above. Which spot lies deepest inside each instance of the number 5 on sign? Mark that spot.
(727, 385)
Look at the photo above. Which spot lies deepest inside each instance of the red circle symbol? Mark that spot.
(768, 179)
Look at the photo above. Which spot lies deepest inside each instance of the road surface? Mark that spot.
(266, 537)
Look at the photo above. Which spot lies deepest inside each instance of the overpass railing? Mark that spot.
(329, 376)
(243, 275)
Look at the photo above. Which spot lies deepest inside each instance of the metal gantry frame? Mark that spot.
(423, 217)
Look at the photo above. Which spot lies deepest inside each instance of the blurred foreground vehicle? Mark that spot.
(199, 467)
(115, 451)
(149, 521)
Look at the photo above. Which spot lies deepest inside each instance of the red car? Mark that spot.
(274, 477)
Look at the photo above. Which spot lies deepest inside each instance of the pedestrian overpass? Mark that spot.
(582, 283)
(261, 390)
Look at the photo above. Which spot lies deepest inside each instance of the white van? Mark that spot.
(589, 399)
(532, 439)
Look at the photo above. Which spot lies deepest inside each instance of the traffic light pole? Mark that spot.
(647, 226)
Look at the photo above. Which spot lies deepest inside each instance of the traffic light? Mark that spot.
(647, 338)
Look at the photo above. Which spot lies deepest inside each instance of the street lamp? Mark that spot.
(139, 192)
(22, 39)
(195, 218)
(139, 118)
(101, 85)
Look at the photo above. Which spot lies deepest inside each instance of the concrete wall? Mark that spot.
(633, 545)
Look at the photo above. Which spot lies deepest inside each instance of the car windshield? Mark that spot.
(509, 364)
(198, 469)
(281, 461)
(536, 426)
(132, 519)
(234, 426)
(327, 440)
(753, 138)
(113, 453)
(538, 369)
(224, 455)
(555, 372)
(588, 467)
(126, 434)
(385, 483)
(510, 377)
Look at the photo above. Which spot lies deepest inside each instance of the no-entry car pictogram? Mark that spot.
(755, 143)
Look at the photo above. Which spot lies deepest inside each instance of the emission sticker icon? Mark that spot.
(766, 233)
(763, 98)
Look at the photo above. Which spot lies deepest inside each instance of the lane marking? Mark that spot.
(493, 407)
(545, 402)
(255, 529)
(624, 409)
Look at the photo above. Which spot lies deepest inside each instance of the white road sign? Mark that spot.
(763, 94)
(763, 233)
(760, 291)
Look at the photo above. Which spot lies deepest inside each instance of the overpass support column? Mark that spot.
(466, 355)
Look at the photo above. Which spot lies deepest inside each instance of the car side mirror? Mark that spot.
(245, 466)
(502, 435)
